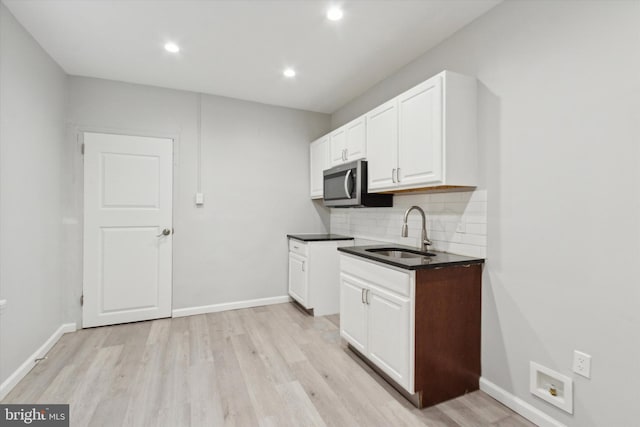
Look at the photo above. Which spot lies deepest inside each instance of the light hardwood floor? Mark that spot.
(266, 366)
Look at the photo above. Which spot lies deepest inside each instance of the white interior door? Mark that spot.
(127, 228)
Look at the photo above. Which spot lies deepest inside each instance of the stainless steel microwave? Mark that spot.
(346, 186)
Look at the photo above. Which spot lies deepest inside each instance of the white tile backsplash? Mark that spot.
(456, 222)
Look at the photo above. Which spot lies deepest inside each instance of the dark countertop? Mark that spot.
(318, 237)
(441, 259)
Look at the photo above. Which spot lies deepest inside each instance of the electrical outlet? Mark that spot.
(461, 227)
(582, 364)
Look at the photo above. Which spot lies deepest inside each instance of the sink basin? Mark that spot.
(400, 252)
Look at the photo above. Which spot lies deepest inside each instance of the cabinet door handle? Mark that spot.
(393, 175)
(398, 174)
(366, 297)
(346, 154)
(362, 295)
(303, 265)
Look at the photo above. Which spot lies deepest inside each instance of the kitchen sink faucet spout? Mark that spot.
(424, 241)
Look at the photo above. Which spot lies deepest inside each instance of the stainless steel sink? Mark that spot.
(400, 252)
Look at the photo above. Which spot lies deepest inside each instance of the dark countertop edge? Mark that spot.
(350, 250)
(318, 237)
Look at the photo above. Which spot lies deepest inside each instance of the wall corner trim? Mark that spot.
(30, 363)
(518, 405)
(214, 308)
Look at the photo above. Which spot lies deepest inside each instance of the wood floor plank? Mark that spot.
(267, 402)
(199, 340)
(305, 414)
(236, 403)
(206, 403)
(144, 395)
(267, 366)
(329, 405)
(96, 379)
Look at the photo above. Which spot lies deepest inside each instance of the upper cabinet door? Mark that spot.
(319, 161)
(338, 142)
(420, 147)
(356, 140)
(382, 146)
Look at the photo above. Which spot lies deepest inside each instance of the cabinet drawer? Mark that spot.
(298, 247)
(375, 274)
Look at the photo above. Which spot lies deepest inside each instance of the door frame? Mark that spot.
(78, 132)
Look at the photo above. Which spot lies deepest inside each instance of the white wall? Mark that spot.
(559, 125)
(32, 135)
(255, 180)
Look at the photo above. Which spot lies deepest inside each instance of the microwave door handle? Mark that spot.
(346, 184)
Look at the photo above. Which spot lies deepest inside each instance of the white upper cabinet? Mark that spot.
(356, 143)
(425, 137)
(338, 143)
(382, 138)
(420, 130)
(319, 161)
(349, 142)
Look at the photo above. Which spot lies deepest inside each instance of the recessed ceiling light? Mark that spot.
(334, 14)
(289, 72)
(171, 47)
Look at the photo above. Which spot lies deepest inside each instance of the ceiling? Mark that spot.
(239, 48)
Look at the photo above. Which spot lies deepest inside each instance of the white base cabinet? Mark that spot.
(376, 316)
(421, 328)
(314, 274)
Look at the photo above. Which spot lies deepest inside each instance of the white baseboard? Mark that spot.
(214, 308)
(28, 364)
(518, 405)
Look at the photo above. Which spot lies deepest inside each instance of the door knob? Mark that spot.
(165, 232)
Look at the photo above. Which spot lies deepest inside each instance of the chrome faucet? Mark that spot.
(405, 228)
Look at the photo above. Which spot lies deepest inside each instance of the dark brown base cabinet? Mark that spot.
(420, 328)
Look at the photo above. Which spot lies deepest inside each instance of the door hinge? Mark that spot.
(82, 299)
(82, 149)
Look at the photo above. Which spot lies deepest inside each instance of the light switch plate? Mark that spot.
(199, 199)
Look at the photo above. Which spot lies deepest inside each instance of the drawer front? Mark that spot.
(298, 247)
(375, 274)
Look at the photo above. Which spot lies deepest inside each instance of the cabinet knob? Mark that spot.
(165, 232)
